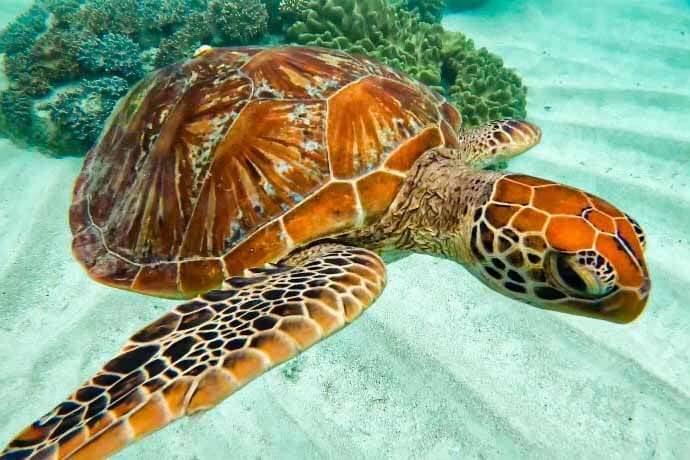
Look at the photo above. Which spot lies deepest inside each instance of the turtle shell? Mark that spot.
(234, 158)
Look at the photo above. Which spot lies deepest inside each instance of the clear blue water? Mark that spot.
(441, 366)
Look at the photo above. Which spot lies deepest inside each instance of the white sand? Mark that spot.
(440, 367)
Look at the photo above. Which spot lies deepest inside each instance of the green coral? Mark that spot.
(62, 10)
(482, 88)
(21, 34)
(112, 54)
(241, 23)
(78, 114)
(376, 29)
(183, 42)
(427, 10)
(111, 16)
(52, 59)
(291, 8)
(17, 117)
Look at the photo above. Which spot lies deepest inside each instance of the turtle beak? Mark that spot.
(626, 306)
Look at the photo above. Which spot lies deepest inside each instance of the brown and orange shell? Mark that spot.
(238, 156)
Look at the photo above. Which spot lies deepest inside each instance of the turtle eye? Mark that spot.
(568, 276)
(576, 277)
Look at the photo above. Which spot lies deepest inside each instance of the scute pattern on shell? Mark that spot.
(235, 158)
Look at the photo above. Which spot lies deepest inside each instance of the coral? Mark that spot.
(21, 34)
(165, 15)
(51, 59)
(482, 88)
(183, 42)
(62, 10)
(111, 54)
(238, 23)
(17, 116)
(376, 29)
(111, 16)
(428, 10)
(78, 114)
(292, 8)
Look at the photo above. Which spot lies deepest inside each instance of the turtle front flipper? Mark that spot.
(206, 349)
(497, 142)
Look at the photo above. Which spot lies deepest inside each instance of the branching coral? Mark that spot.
(17, 116)
(67, 51)
(183, 42)
(21, 34)
(113, 54)
(111, 16)
(292, 8)
(238, 23)
(52, 59)
(78, 114)
(62, 10)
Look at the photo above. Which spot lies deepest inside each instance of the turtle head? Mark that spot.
(560, 248)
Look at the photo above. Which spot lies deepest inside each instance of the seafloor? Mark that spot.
(440, 367)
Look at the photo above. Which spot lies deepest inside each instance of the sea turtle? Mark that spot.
(286, 172)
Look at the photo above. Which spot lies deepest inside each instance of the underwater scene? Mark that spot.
(198, 196)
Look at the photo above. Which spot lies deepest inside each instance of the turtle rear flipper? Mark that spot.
(206, 349)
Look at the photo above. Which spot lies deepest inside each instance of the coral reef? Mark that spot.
(77, 115)
(67, 61)
(376, 29)
(241, 23)
(427, 10)
(480, 86)
(21, 34)
(291, 9)
(17, 117)
(183, 42)
(112, 54)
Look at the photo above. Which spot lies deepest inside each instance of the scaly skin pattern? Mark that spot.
(540, 242)
(558, 247)
(206, 349)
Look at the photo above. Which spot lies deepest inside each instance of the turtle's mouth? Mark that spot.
(588, 293)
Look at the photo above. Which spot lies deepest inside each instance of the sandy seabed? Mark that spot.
(441, 367)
